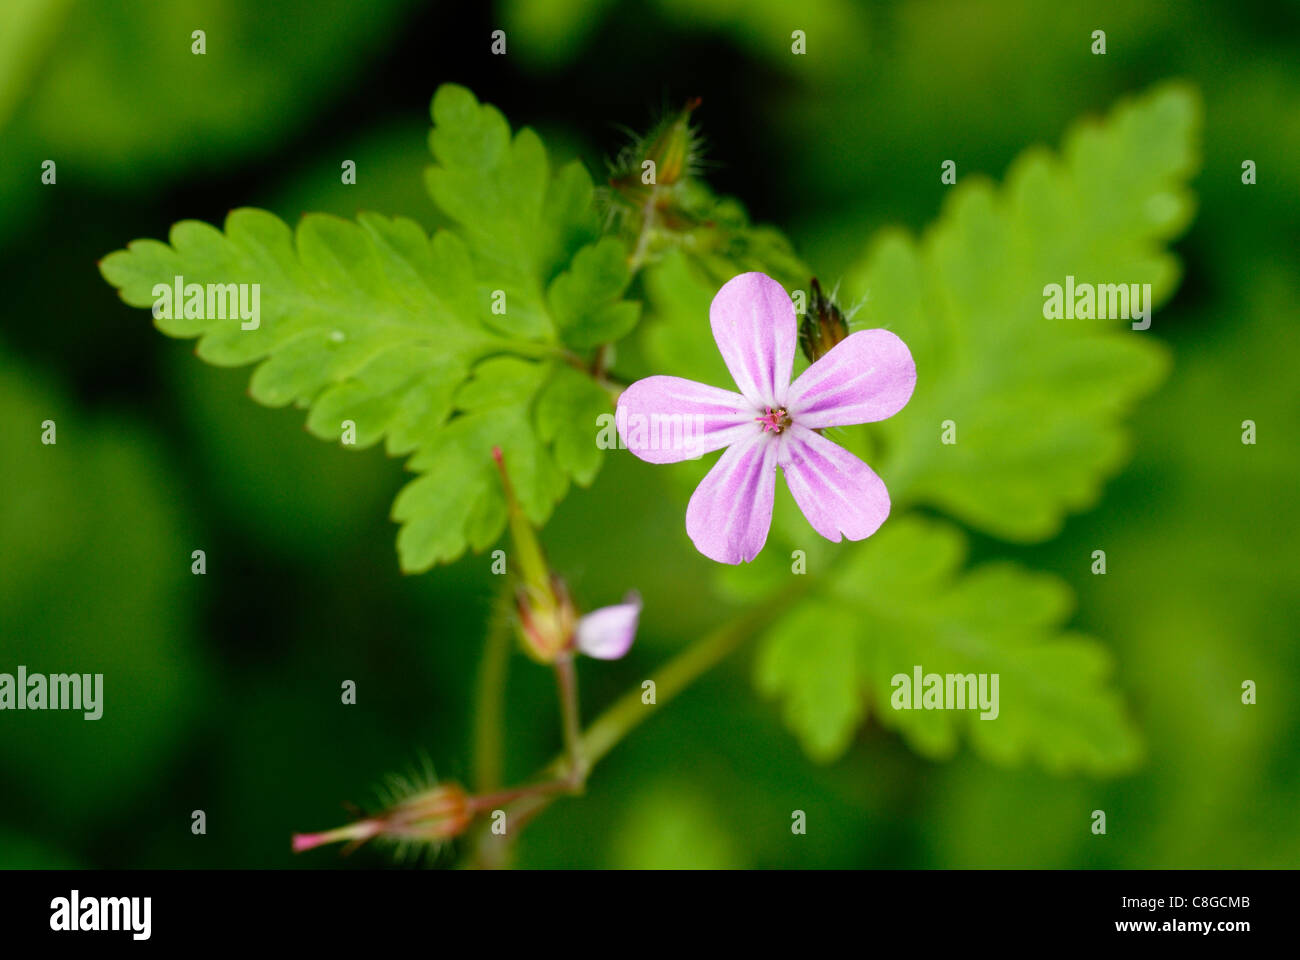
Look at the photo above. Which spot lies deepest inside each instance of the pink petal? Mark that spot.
(731, 510)
(867, 376)
(754, 324)
(607, 633)
(667, 419)
(836, 491)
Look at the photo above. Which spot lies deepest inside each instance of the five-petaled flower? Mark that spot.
(771, 422)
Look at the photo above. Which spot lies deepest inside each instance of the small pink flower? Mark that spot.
(771, 422)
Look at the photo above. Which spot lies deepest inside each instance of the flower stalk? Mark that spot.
(630, 711)
(567, 681)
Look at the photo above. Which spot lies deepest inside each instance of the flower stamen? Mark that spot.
(774, 419)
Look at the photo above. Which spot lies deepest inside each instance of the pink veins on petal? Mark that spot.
(771, 422)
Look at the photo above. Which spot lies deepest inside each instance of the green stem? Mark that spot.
(629, 711)
(600, 361)
(567, 678)
(491, 801)
(489, 715)
(637, 260)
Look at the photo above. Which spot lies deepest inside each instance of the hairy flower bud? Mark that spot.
(428, 816)
(674, 145)
(823, 325)
(663, 158)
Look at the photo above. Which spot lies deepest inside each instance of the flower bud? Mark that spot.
(823, 325)
(664, 158)
(549, 626)
(673, 146)
(546, 623)
(546, 615)
(429, 816)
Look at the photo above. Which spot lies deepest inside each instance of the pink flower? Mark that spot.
(607, 633)
(771, 422)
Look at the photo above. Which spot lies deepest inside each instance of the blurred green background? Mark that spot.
(222, 691)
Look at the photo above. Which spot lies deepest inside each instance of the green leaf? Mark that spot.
(1037, 403)
(372, 320)
(810, 660)
(521, 224)
(902, 601)
(383, 331)
(586, 300)
(458, 498)
(568, 411)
